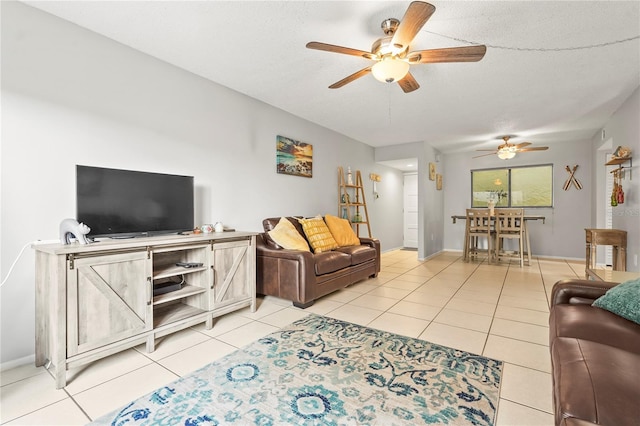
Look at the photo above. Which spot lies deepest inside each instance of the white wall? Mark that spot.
(562, 234)
(71, 97)
(622, 129)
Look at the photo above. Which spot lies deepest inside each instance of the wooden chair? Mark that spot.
(510, 225)
(478, 226)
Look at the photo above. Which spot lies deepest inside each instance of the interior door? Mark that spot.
(410, 211)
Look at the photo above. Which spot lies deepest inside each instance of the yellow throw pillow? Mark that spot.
(287, 236)
(318, 234)
(341, 231)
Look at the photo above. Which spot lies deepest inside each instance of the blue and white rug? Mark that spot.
(323, 371)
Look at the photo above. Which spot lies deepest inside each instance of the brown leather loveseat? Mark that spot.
(595, 358)
(302, 276)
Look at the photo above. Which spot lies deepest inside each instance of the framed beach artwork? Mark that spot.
(294, 157)
(438, 181)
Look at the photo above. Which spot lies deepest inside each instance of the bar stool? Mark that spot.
(478, 226)
(616, 238)
(510, 225)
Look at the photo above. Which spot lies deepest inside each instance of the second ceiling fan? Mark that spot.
(391, 52)
(507, 150)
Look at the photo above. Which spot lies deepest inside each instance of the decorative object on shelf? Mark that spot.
(206, 228)
(345, 198)
(218, 227)
(621, 152)
(432, 171)
(349, 176)
(572, 179)
(72, 228)
(491, 205)
(438, 181)
(357, 218)
(294, 157)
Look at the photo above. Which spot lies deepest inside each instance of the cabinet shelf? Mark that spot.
(167, 271)
(174, 312)
(185, 291)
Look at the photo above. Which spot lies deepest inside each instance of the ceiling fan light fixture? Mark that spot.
(390, 69)
(506, 154)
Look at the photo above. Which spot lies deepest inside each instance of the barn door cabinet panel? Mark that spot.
(107, 300)
(98, 299)
(233, 265)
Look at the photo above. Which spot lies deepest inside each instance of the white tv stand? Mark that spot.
(98, 299)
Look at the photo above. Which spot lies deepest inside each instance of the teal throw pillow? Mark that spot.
(622, 300)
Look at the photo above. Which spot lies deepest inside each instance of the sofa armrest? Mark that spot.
(263, 250)
(576, 291)
(375, 243)
(288, 274)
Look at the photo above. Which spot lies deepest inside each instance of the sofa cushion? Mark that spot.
(359, 254)
(342, 231)
(595, 382)
(271, 222)
(318, 234)
(598, 325)
(622, 300)
(287, 236)
(330, 261)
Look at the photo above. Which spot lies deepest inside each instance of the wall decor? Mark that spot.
(432, 171)
(438, 181)
(294, 157)
(571, 179)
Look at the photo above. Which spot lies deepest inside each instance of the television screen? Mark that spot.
(121, 203)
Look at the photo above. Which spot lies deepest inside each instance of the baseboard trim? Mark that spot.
(30, 359)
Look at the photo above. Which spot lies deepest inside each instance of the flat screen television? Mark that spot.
(126, 203)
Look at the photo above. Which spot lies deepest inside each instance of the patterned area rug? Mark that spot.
(323, 371)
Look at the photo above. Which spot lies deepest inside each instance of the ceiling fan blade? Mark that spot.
(492, 150)
(484, 155)
(352, 77)
(339, 49)
(448, 54)
(522, 144)
(536, 148)
(417, 14)
(408, 83)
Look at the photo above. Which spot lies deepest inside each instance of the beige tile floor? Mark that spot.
(499, 311)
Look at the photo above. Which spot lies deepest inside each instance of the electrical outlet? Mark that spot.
(635, 260)
(432, 237)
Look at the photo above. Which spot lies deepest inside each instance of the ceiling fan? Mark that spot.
(391, 52)
(508, 150)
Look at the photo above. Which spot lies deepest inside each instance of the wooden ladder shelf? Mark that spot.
(352, 204)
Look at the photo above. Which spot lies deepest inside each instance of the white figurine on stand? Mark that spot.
(349, 176)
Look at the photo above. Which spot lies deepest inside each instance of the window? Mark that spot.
(527, 186)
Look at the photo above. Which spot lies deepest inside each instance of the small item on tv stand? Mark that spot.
(71, 228)
(167, 287)
(218, 227)
(189, 264)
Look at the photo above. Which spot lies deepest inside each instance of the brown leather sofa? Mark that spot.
(303, 277)
(595, 358)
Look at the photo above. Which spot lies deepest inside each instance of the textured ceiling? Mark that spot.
(552, 71)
